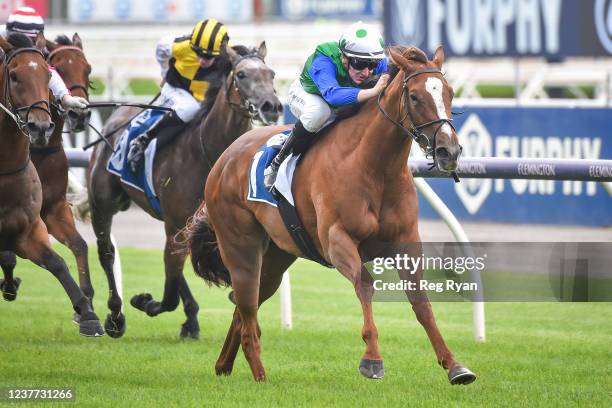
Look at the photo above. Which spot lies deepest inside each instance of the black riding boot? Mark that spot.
(297, 142)
(165, 128)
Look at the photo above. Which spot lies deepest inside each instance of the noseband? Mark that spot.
(416, 131)
(15, 113)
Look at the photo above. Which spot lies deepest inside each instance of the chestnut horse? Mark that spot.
(25, 119)
(354, 194)
(179, 176)
(51, 163)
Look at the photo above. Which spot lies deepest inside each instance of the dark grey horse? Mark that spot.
(179, 175)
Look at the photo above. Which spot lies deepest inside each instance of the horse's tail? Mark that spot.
(198, 238)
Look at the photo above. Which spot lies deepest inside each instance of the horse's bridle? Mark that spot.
(245, 107)
(416, 131)
(83, 87)
(12, 112)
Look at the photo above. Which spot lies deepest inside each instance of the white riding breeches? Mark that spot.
(310, 109)
(183, 103)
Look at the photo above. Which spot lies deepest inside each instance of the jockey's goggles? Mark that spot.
(201, 53)
(361, 64)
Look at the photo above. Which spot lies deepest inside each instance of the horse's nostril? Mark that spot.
(443, 153)
(266, 106)
(279, 107)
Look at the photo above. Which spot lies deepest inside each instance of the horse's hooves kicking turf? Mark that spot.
(90, 327)
(372, 369)
(190, 330)
(115, 325)
(9, 292)
(461, 375)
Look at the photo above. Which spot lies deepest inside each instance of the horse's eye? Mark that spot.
(414, 99)
(88, 70)
(13, 77)
(241, 75)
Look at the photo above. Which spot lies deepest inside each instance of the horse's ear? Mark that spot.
(438, 59)
(51, 45)
(76, 40)
(5, 45)
(233, 55)
(398, 59)
(40, 42)
(262, 51)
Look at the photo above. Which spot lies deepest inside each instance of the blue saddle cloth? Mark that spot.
(261, 160)
(118, 165)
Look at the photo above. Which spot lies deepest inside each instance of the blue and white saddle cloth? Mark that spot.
(118, 165)
(261, 160)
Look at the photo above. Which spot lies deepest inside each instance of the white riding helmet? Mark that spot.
(361, 40)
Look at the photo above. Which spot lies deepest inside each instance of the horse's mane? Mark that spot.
(224, 66)
(63, 40)
(411, 53)
(19, 40)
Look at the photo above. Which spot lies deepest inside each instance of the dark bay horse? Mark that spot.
(25, 119)
(51, 162)
(179, 174)
(356, 198)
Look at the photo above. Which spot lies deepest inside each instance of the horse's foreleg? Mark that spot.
(60, 223)
(115, 321)
(371, 365)
(9, 285)
(36, 247)
(421, 306)
(344, 255)
(173, 264)
(191, 327)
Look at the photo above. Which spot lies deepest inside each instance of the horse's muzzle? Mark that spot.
(78, 120)
(40, 131)
(270, 110)
(447, 157)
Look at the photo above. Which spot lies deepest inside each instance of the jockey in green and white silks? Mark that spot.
(330, 79)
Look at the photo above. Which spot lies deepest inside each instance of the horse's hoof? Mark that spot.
(190, 330)
(91, 328)
(140, 301)
(372, 369)
(224, 369)
(115, 326)
(9, 292)
(461, 375)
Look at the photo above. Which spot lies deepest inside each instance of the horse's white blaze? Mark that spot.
(33, 64)
(434, 86)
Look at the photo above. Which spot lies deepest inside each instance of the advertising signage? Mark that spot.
(494, 28)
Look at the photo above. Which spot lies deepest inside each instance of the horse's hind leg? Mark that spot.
(60, 223)
(241, 250)
(9, 284)
(275, 263)
(37, 248)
